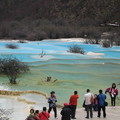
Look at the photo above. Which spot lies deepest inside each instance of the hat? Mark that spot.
(66, 104)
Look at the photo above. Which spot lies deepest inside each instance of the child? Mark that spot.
(36, 115)
(95, 105)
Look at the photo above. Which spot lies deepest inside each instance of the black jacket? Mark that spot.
(66, 113)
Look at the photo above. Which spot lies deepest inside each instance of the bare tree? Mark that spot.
(4, 114)
(12, 67)
(42, 53)
(49, 79)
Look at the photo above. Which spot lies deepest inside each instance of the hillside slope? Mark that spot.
(99, 10)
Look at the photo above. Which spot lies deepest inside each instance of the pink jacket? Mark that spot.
(112, 91)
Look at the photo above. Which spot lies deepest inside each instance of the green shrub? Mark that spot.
(106, 44)
(76, 49)
(12, 46)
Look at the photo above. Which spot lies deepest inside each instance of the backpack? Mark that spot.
(92, 100)
(30, 117)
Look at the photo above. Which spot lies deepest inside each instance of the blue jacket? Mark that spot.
(101, 99)
(51, 101)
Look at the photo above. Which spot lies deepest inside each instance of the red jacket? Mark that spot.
(73, 99)
(42, 116)
(36, 117)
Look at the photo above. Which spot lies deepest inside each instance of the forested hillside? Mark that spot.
(99, 10)
(55, 18)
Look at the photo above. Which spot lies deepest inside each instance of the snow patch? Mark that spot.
(72, 39)
(44, 58)
(93, 53)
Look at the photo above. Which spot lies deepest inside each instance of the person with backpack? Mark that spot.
(31, 115)
(89, 103)
(52, 103)
(66, 112)
(113, 91)
(101, 104)
(44, 115)
(73, 103)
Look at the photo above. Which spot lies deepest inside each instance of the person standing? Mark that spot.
(113, 91)
(66, 112)
(73, 103)
(36, 115)
(44, 115)
(95, 104)
(101, 104)
(31, 115)
(88, 103)
(52, 103)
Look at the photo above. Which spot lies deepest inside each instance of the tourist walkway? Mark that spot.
(113, 113)
(21, 109)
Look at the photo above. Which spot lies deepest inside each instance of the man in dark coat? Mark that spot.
(101, 104)
(66, 112)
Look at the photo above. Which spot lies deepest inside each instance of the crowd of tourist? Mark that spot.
(91, 102)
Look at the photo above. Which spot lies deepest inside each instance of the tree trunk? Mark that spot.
(13, 80)
(48, 79)
(97, 41)
(10, 80)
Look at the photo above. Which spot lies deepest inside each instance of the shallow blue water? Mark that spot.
(73, 71)
(58, 50)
